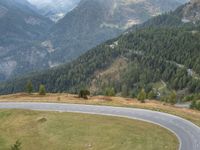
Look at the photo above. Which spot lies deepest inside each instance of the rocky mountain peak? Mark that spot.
(191, 11)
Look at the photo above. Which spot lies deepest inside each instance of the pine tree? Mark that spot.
(172, 97)
(110, 92)
(193, 104)
(198, 106)
(151, 95)
(42, 90)
(125, 92)
(142, 96)
(29, 87)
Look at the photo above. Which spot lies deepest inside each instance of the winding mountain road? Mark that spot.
(187, 133)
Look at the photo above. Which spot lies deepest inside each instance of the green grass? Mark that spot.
(69, 131)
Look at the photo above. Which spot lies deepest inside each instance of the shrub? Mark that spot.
(110, 92)
(16, 146)
(84, 94)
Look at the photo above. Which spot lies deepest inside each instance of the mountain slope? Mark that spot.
(143, 58)
(20, 27)
(27, 44)
(55, 10)
(17, 19)
(190, 13)
(131, 62)
(95, 21)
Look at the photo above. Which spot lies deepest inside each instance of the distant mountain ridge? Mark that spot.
(55, 10)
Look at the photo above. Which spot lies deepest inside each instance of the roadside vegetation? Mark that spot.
(189, 114)
(16, 146)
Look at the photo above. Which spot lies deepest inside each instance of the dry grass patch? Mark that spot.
(72, 131)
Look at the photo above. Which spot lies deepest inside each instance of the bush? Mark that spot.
(42, 90)
(16, 146)
(84, 94)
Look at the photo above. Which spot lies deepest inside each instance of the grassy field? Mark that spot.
(191, 115)
(69, 131)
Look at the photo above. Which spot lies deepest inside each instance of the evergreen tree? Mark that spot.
(151, 95)
(198, 106)
(125, 92)
(110, 92)
(29, 87)
(42, 90)
(172, 98)
(193, 105)
(142, 96)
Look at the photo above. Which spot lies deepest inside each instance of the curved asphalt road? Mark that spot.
(187, 133)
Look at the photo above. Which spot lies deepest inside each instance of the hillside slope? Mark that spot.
(162, 54)
(128, 64)
(95, 21)
(20, 27)
(28, 42)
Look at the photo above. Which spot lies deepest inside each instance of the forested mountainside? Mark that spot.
(160, 55)
(95, 21)
(20, 28)
(141, 59)
(30, 42)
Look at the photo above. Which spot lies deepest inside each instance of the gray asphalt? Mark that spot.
(187, 133)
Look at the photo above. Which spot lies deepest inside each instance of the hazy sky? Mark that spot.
(50, 1)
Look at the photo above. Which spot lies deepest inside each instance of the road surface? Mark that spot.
(187, 133)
